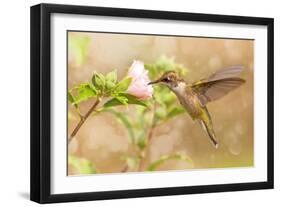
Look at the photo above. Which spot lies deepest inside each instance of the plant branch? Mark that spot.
(149, 138)
(83, 119)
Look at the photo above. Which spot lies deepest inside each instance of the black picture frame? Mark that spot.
(41, 99)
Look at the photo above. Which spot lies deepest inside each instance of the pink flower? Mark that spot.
(139, 86)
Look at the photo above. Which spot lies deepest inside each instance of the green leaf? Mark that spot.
(130, 100)
(83, 165)
(98, 81)
(111, 76)
(109, 85)
(84, 92)
(110, 81)
(112, 102)
(123, 85)
(153, 166)
(122, 99)
(125, 121)
(71, 99)
(175, 111)
(134, 100)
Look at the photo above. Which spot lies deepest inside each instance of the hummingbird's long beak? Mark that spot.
(153, 82)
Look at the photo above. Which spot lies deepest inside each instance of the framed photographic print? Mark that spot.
(132, 103)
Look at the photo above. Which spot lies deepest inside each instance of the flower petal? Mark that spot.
(139, 86)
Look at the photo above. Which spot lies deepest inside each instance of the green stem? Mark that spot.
(149, 138)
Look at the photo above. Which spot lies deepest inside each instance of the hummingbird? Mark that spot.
(194, 97)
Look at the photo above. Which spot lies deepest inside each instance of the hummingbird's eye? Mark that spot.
(166, 80)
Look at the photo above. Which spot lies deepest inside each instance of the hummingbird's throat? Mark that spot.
(178, 88)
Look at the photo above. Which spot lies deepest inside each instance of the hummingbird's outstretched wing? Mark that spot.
(229, 72)
(218, 84)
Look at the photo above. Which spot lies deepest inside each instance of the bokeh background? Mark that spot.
(102, 140)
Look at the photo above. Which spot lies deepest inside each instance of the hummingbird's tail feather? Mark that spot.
(209, 129)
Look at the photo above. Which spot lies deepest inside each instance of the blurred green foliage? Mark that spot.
(83, 166)
(164, 64)
(78, 46)
(132, 162)
(154, 165)
(125, 120)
